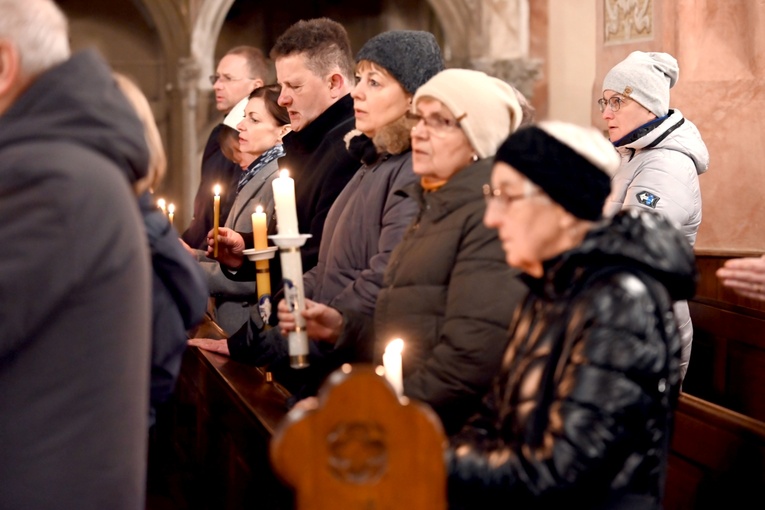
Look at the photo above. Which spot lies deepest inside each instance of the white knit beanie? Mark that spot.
(487, 107)
(646, 78)
(236, 115)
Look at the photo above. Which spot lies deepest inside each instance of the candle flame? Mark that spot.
(259, 209)
(171, 208)
(216, 190)
(396, 345)
(161, 203)
(284, 172)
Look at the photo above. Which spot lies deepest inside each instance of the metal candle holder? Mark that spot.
(292, 274)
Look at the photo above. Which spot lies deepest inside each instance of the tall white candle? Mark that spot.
(393, 365)
(284, 199)
(170, 212)
(216, 218)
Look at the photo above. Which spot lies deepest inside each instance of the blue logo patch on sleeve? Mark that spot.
(648, 198)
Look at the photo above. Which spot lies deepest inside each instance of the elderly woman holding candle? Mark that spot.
(581, 411)
(447, 291)
(261, 123)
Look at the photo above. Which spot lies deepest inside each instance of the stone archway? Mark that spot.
(488, 35)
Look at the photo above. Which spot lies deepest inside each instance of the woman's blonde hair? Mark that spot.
(157, 156)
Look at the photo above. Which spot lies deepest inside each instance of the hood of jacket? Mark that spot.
(675, 133)
(641, 240)
(79, 101)
(394, 138)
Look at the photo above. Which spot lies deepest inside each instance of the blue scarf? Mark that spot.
(277, 151)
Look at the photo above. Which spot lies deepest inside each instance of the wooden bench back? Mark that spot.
(362, 448)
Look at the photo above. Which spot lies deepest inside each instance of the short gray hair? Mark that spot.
(39, 30)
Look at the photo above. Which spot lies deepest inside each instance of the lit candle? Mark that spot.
(284, 198)
(161, 205)
(216, 218)
(392, 364)
(259, 229)
(171, 212)
(262, 270)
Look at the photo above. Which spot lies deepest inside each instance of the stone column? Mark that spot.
(490, 36)
(188, 76)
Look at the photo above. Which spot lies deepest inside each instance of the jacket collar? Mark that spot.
(463, 187)
(308, 139)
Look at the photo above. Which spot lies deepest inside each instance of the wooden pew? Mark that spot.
(717, 454)
(717, 459)
(213, 450)
(727, 364)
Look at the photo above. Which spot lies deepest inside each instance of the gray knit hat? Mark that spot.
(487, 107)
(412, 57)
(646, 78)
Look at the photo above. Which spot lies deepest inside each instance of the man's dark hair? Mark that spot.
(256, 62)
(323, 41)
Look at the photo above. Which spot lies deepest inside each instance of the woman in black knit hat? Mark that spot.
(580, 414)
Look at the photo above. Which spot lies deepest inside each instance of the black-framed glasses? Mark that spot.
(224, 78)
(614, 103)
(497, 196)
(436, 123)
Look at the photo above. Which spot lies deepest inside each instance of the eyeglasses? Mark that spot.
(615, 103)
(224, 78)
(436, 124)
(497, 196)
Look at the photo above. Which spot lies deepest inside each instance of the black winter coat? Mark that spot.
(580, 414)
(179, 300)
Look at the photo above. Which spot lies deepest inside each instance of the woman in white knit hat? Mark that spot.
(580, 415)
(662, 153)
(447, 291)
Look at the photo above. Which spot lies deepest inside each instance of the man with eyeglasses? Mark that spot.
(662, 153)
(241, 70)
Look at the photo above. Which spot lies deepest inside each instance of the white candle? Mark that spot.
(284, 198)
(161, 205)
(216, 218)
(392, 364)
(171, 212)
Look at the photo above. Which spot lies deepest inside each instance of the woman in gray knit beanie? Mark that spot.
(369, 218)
(446, 291)
(662, 152)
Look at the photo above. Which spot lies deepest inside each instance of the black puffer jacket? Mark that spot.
(581, 411)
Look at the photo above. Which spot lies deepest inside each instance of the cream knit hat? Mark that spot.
(646, 78)
(236, 115)
(487, 107)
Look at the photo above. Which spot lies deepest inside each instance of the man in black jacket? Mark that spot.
(241, 70)
(315, 67)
